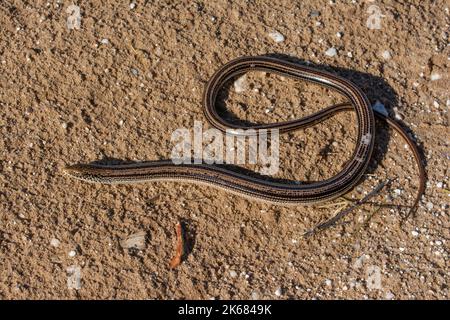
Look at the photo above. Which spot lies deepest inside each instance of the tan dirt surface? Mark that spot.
(121, 84)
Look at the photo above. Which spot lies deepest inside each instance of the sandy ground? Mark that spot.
(121, 84)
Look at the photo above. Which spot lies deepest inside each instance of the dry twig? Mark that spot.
(176, 260)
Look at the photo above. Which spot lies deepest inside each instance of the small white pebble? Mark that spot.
(436, 104)
(73, 277)
(439, 184)
(397, 115)
(414, 233)
(132, 5)
(401, 249)
(429, 205)
(64, 125)
(331, 52)
(339, 34)
(435, 76)
(438, 242)
(349, 54)
(278, 292)
(72, 253)
(255, 295)
(134, 71)
(389, 295)
(240, 85)
(104, 41)
(276, 36)
(233, 274)
(386, 55)
(55, 242)
(121, 123)
(328, 282)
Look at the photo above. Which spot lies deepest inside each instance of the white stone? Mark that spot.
(429, 205)
(435, 76)
(414, 233)
(74, 277)
(55, 242)
(359, 262)
(104, 41)
(386, 55)
(135, 240)
(276, 36)
(397, 115)
(331, 52)
(278, 292)
(134, 71)
(233, 274)
(389, 295)
(240, 85)
(72, 254)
